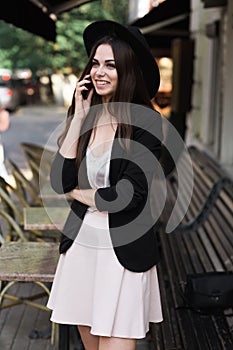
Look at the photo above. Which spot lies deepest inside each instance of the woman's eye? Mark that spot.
(111, 65)
(94, 64)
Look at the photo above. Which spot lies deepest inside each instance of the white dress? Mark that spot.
(92, 288)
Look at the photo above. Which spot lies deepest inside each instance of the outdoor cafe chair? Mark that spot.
(25, 188)
(12, 214)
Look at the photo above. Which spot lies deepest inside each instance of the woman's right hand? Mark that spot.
(69, 144)
(82, 106)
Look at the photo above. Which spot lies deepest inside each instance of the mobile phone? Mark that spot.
(85, 93)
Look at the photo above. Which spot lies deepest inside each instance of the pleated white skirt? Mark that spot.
(92, 288)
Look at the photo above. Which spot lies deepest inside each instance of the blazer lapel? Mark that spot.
(118, 153)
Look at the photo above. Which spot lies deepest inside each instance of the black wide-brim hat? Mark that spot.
(135, 39)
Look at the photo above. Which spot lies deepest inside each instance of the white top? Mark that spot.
(98, 172)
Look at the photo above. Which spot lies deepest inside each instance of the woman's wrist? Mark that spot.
(68, 148)
(77, 118)
(85, 196)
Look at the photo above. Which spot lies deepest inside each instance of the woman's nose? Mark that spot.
(100, 70)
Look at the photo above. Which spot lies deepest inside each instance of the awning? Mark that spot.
(37, 16)
(165, 22)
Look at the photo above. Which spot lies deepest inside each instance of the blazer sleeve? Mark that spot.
(63, 174)
(133, 187)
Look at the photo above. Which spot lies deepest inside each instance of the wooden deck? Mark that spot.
(17, 322)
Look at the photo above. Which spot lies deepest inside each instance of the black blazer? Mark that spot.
(127, 199)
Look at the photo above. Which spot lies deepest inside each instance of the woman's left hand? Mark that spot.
(86, 197)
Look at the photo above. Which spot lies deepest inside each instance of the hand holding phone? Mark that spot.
(85, 93)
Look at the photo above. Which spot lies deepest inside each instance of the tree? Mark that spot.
(17, 51)
(21, 49)
(69, 50)
(117, 9)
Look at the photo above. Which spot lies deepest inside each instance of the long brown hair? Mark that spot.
(131, 88)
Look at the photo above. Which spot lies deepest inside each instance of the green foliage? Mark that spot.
(21, 49)
(69, 50)
(117, 10)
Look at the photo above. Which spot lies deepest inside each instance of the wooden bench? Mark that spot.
(196, 246)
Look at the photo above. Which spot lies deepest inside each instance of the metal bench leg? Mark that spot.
(64, 337)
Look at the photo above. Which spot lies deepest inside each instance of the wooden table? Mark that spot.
(27, 262)
(49, 218)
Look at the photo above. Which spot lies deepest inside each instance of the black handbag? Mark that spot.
(209, 292)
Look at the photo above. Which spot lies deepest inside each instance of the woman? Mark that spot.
(105, 165)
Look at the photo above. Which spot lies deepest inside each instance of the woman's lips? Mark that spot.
(101, 83)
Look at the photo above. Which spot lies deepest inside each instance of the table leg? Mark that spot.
(64, 337)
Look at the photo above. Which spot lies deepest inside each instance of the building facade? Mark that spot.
(209, 121)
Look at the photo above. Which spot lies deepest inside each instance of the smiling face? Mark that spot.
(103, 72)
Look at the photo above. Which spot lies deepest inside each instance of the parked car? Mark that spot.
(15, 88)
(9, 96)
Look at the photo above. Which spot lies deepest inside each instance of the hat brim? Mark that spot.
(149, 67)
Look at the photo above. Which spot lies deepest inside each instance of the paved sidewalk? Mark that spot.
(41, 110)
